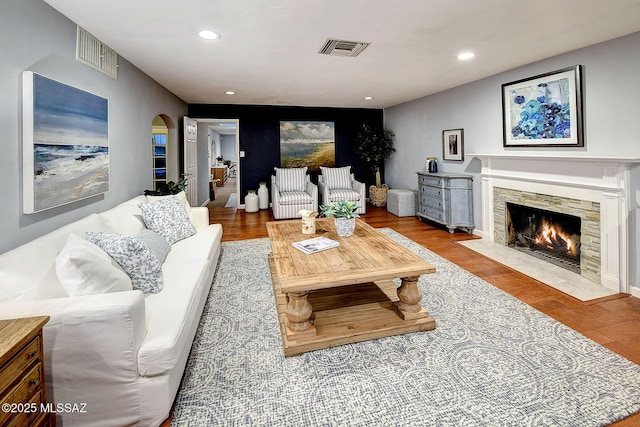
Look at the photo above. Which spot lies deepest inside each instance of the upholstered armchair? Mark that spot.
(291, 191)
(338, 184)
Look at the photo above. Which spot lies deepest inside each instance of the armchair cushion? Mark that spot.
(340, 194)
(291, 179)
(336, 178)
(295, 198)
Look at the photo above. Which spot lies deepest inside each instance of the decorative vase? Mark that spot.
(251, 202)
(345, 226)
(263, 196)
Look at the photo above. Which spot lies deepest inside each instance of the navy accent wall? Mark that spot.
(260, 135)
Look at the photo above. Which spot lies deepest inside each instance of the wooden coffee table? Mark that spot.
(344, 294)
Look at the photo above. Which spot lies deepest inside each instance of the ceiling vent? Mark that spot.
(336, 47)
(94, 53)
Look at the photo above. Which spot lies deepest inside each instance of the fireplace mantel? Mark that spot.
(601, 179)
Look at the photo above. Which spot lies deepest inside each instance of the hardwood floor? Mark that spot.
(612, 322)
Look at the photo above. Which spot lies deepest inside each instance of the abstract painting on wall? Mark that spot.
(65, 143)
(310, 144)
(544, 111)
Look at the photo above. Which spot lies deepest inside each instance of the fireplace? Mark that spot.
(547, 235)
(594, 189)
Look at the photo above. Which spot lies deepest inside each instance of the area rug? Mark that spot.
(491, 361)
(232, 202)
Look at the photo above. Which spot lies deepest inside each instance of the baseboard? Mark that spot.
(635, 291)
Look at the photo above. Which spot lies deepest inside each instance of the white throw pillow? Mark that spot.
(291, 179)
(85, 269)
(182, 197)
(135, 257)
(336, 178)
(168, 218)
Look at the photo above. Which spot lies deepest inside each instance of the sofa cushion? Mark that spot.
(135, 257)
(126, 218)
(85, 269)
(338, 195)
(203, 245)
(336, 178)
(170, 315)
(168, 218)
(291, 179)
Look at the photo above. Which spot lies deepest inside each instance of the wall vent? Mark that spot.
(335, 47)
(94, 53)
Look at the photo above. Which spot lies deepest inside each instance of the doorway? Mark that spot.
(223, 145)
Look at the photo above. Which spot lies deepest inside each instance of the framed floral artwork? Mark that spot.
(453, 144)
(544, 110)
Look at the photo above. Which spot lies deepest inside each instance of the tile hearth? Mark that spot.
(557, 277)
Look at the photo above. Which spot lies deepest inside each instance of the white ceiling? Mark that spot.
(268, 50)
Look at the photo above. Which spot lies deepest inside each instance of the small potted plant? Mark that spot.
(344, 214)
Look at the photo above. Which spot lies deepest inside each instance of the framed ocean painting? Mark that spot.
(307, 143)
(65, 142)
(544, 110)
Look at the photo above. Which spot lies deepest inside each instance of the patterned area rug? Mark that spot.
(491, 361)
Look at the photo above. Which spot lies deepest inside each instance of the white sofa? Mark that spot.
(122, 353)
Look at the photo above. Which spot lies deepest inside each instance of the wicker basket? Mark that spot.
(378, 195)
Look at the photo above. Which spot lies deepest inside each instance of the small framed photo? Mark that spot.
(544, 110)
(453, 145)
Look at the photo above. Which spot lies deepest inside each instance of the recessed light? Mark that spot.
(209, 35)
(230, 92)
(464, 56)
(368, 98)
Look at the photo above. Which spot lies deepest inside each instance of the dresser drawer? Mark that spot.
(429, 180)
(430, 191)
(431, 202)
(21, 392)
(30, 417)
(21, 361)
(436, 214)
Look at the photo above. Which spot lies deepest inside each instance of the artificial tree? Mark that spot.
(374, 144)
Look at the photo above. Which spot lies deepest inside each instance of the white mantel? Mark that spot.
(605, 180)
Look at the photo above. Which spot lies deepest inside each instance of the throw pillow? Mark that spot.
(85, 269)
(336, 178)
(158, 244)
(182, 196)
(135, 258)
(291, 179)
(168, 218)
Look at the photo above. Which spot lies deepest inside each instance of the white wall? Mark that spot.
(35, 37)
(228, 147)
(611, 93)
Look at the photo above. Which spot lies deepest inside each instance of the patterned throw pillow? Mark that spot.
(291, 179)
(134, 256)
(168, 218)
(336, 178)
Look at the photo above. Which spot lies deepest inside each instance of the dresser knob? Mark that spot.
(34, 382)
(32, 354)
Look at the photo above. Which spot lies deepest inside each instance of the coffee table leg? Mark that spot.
(299, 312)
(409, 305)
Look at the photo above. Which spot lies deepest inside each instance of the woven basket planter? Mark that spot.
(378, 195)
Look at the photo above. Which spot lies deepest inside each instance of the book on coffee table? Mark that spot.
(317, 244)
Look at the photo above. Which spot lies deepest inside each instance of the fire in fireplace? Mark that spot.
(552, 236)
